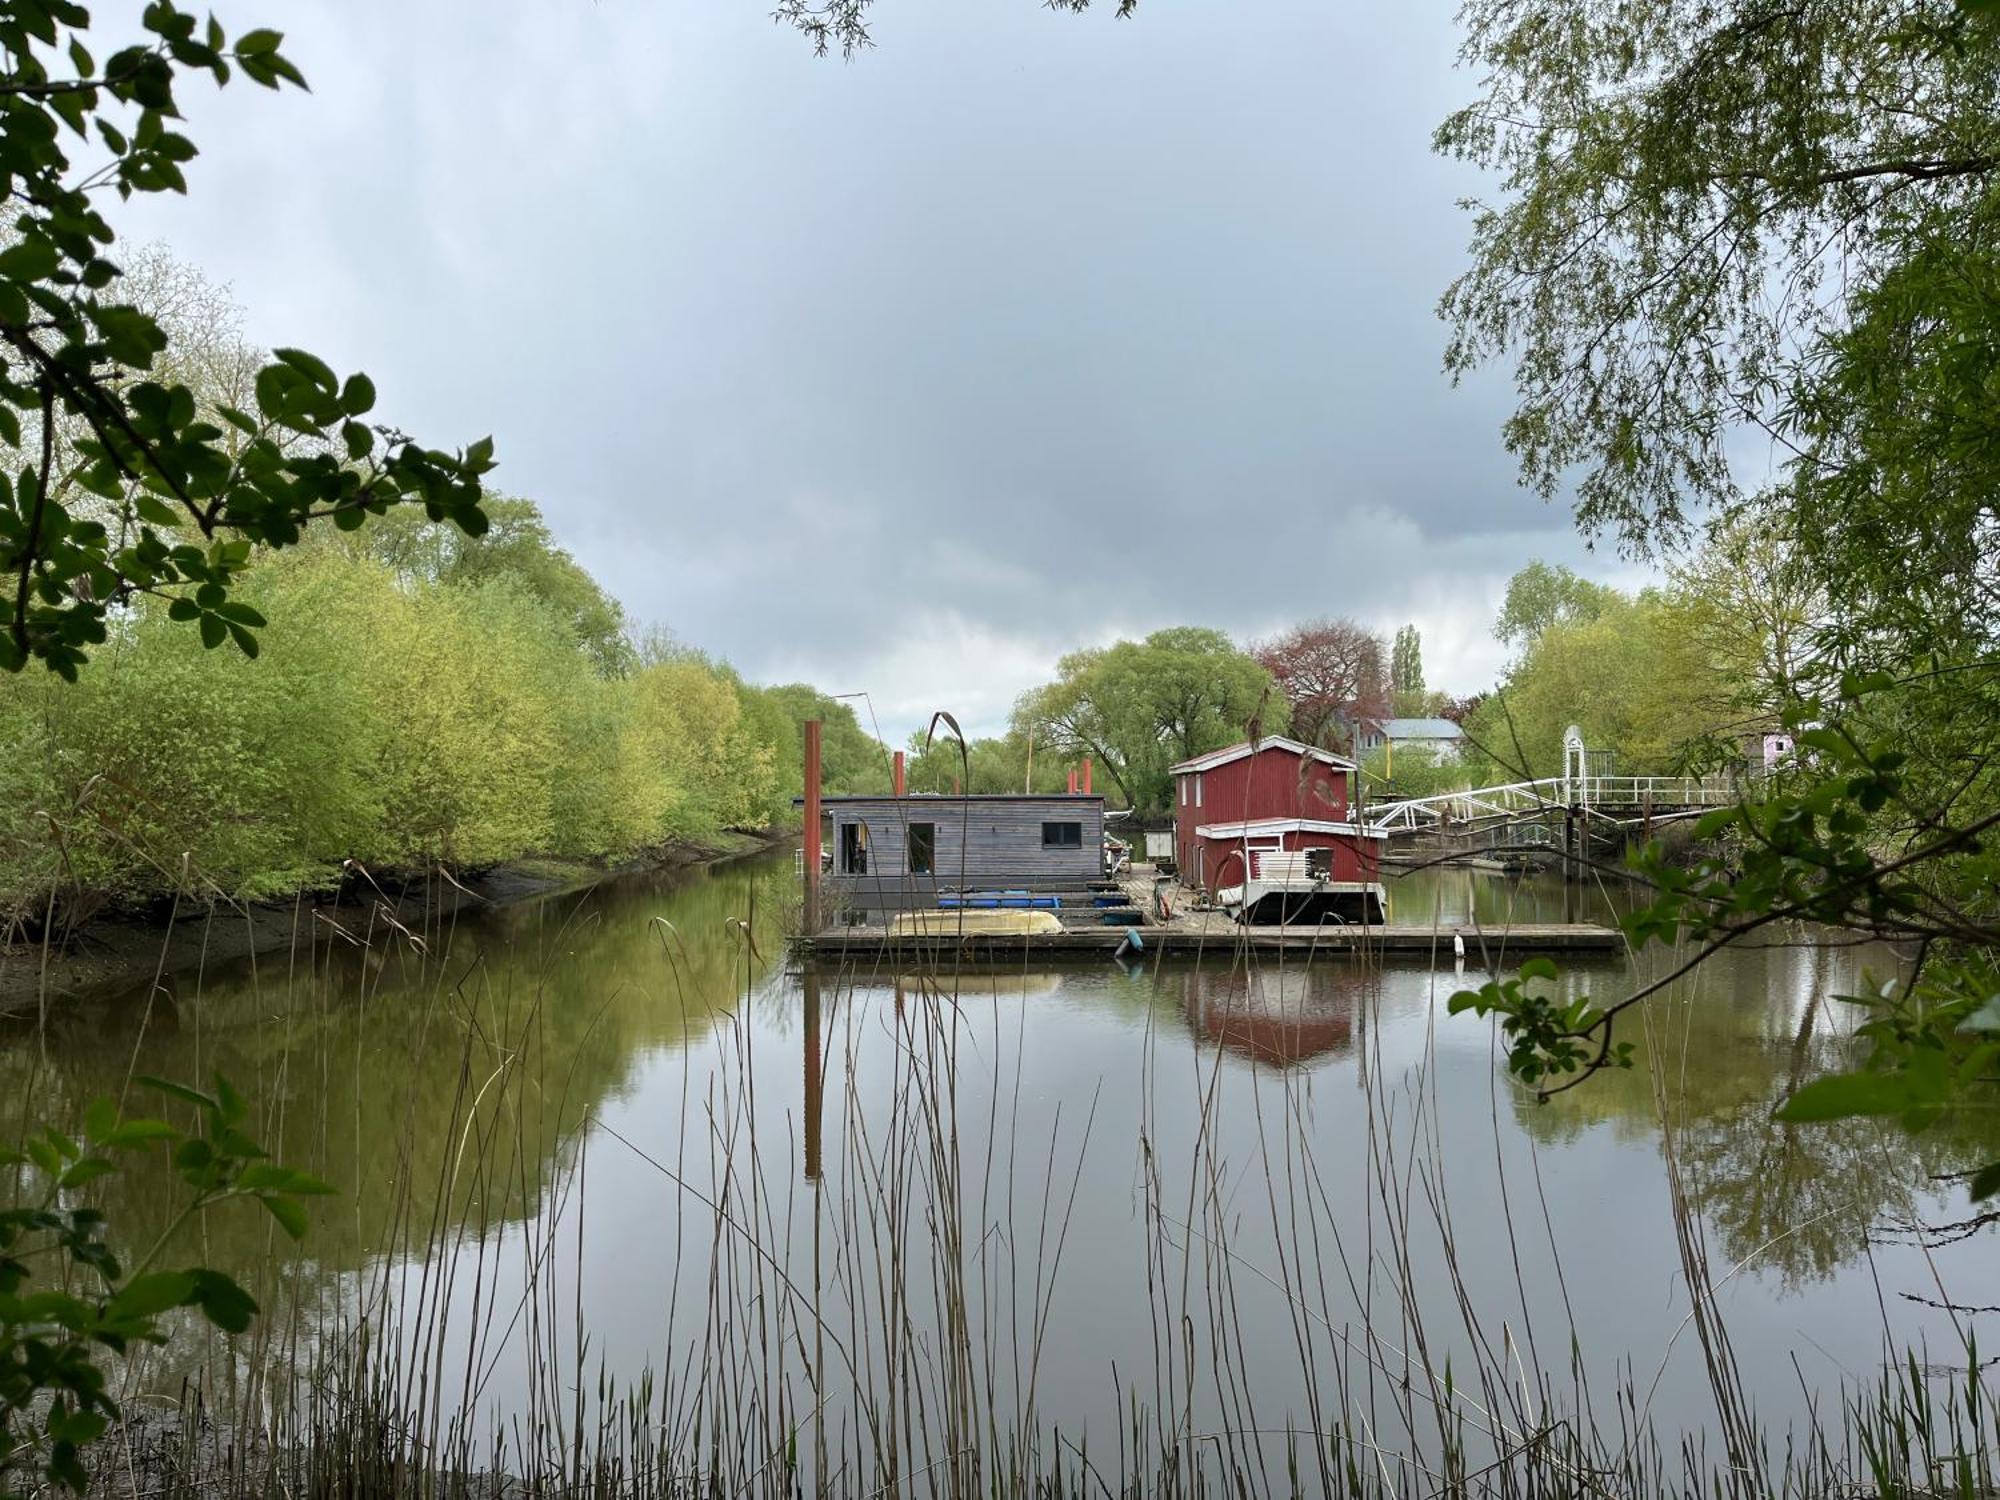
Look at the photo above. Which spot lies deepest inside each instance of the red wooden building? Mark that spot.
(1267, 825)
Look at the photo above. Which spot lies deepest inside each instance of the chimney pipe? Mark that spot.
(1072, 782)
(897, 775)
(812, 827)
(1086, 776)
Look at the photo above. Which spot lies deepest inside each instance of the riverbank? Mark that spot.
(125, 950)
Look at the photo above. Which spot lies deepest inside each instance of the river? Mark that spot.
(891, 1219)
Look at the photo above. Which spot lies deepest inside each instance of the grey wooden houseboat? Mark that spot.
(903, 853)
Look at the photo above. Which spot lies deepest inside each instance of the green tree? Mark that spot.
(1635, 677)
(1138, 706)
(1406, 672)
(1541, 595)
(516, 545)
(1693, 196)
(127, 486)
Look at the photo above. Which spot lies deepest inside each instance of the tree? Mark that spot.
(517, 545)
(1540, 596)
(1139, 706)
(1636, 678)
(1331, 672)
(127, 486)
(842, 25)
(1406, 672)
(1762, 613)
(1693, 197)
(1783, 220)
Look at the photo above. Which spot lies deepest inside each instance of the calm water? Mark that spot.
(1251, 1198)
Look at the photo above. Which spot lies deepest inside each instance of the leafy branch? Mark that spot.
(54, 1397)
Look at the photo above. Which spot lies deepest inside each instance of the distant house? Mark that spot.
(1264, 825)
(902, 853)
(1436, 739)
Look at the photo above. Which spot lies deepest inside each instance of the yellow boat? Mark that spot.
(973, 923)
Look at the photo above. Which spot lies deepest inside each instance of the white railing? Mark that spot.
(1553, 794)
(1657, 791)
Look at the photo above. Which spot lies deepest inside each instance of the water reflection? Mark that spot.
(1281, 1016)
(455, 1095)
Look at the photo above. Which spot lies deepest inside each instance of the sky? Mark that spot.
(905, 375)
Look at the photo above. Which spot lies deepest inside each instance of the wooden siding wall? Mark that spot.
(1000, 841)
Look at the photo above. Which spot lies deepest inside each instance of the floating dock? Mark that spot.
(1179, 940)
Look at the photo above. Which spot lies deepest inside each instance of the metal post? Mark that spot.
(812, 828)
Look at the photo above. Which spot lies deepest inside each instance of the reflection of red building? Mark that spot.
(1282, 1017)
(1265, 825)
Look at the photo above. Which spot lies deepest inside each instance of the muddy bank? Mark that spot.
(122, 951)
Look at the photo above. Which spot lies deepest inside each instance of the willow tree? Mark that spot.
(1138, 706)
(1745, 228)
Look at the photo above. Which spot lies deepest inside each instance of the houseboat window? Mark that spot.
(854, 848)
(1062, 835)
(1184, 791)
(1197, 789)
(923, 847)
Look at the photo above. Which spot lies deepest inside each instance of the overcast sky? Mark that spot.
(905, 375)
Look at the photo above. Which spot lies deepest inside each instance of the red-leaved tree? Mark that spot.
(1333, 673)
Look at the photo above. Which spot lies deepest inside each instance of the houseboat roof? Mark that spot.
(1229, 753)
(1265, 827)
(933, 798)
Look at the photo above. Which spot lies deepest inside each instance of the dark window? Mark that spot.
(1062, 835)
(923, 847)
(854, 848)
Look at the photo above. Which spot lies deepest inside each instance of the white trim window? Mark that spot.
(1197, 789)
(1184, 782)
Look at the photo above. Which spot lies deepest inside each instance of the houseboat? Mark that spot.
(978, 852)
(1262, 828)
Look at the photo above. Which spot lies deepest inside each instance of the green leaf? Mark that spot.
(289, 1212)
(1846, 1095)
(156, 512)
(149, 1296)
(315, 369)
(138, 1133)
(213, 631)
(222, 1301)
(31, 259)
(230, 1104)
(1539, 968)
(100, 1118)
(358, 395)
(88, 1170)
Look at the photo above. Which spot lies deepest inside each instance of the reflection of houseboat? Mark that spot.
(1276, 1016)
(1262, 827)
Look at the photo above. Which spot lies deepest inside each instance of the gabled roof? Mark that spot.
(1224, 756)
(1422, 729)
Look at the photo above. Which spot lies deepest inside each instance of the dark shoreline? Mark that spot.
(126, 950)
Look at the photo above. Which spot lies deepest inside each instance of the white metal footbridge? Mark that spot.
(1578, 788)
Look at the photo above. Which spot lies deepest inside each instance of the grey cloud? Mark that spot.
(1020, 329)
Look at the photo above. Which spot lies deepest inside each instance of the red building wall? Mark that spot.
(1268, 784)
(1354, 859)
